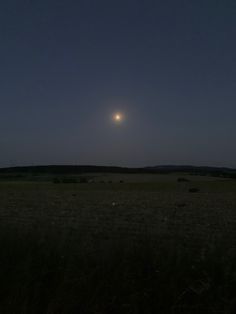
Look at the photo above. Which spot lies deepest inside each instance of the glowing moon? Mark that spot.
(118, 117)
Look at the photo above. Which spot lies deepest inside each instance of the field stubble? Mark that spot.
(137, 247)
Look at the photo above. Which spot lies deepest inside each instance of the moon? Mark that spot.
(118, 117)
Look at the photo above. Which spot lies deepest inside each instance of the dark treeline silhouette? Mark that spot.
(73, 169)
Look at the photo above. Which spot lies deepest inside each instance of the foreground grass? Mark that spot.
(48, 271)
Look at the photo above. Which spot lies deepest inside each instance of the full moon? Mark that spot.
(117, 117)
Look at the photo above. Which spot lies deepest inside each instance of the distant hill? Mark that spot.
(197, 170)
(73, 169)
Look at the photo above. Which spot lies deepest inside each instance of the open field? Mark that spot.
(120, 243)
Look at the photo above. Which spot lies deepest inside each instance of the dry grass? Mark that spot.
(118, 248)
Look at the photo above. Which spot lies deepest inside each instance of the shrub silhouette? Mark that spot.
(182, 180)
(56, 180)
(193, 190)
(83, 180)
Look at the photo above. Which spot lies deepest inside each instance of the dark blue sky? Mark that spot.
(169, 66)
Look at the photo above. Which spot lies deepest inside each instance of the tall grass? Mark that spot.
(49, 272)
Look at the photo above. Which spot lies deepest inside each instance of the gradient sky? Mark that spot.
(169, 66)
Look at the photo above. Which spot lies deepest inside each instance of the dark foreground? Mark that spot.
(141, 247)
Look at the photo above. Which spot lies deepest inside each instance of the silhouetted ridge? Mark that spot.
(73, 169)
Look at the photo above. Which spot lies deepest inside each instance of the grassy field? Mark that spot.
(118, 244)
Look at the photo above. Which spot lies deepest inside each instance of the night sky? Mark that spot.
(169, 67)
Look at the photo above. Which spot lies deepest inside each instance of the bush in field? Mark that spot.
(69, 180)
(83, 180)
(182, 180)
(193, 190)
(180, 205)
(56, 180)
